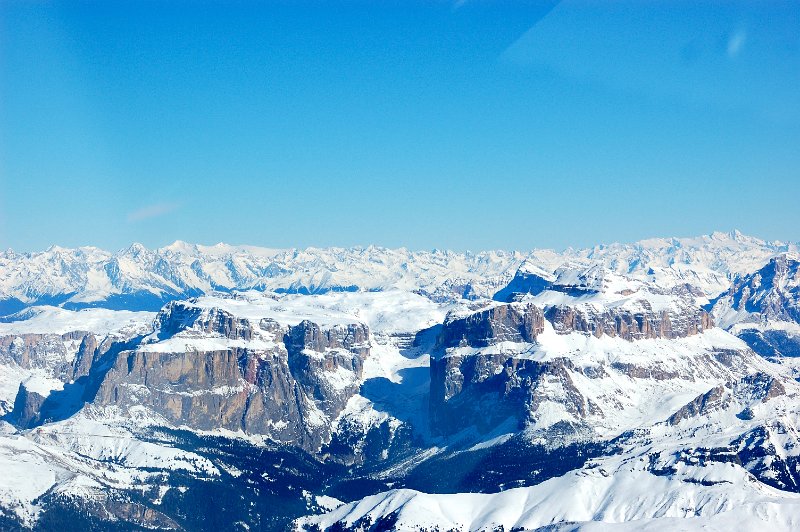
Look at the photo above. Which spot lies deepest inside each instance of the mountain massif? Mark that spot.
(650, 386)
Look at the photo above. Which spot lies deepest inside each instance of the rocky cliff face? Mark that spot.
(89, 350)
(628, 324)
(178, 316)
(753, 388)
(287, 384)
(27, 408)
(54, 353)
(488, 391)
(480, 380)
(504, 323)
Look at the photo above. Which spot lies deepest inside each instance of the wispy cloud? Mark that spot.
(736, 43)
(152, 211)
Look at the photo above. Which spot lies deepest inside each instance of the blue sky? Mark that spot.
(467, 125)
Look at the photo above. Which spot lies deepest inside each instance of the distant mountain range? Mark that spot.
(137, 278)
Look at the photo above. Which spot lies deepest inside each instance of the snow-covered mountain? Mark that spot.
(142, 279)
(376, 389)
(763, 307)
(137, 278)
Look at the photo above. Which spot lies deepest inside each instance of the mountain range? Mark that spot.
(651, 385)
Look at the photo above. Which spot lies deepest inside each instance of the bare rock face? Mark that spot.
(714, 399)
(627, 324)
(77, 359)
(289, 391)
(486, 386)
(489, 389)
(88, 350)
(750, 389)
(178, 316)
(52, 352)
(27, 407)
(505, 323)
(486, 391)
(342, 348)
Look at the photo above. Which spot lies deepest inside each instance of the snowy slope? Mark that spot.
(610, 494)
(55, 320)
(81, 458)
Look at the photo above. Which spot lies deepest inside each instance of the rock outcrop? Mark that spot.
(288, 386)
(479, 381)
(627, 324)
(27, 408)
(179, 316)
(489, 390)
(504, 323)
(52, 352)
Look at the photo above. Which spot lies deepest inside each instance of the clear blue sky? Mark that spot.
(466, 125)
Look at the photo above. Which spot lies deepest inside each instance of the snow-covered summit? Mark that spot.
(138, 278)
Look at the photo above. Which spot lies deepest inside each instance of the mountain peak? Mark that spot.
(734, 234)
(135, 250)
(179, 246)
